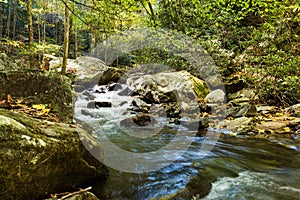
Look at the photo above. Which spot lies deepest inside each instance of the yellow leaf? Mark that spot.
(46, 111)
(286, 129)
(232, 134)
(39, 106)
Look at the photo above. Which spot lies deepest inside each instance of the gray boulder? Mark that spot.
(168, 87)
(216, 96)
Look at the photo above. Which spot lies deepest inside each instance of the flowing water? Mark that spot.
(236, 168)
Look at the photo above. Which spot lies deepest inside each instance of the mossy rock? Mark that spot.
(39, 158)
(42, 88)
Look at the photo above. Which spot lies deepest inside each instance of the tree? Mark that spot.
(15, 18)
(30, 25)
(8, 18)
(1, 18)
(66, 39)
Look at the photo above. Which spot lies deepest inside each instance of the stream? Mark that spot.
(236, 168)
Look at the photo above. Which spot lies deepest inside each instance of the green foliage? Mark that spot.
(259, 38)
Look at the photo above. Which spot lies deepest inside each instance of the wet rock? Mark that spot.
(139, 103)
(240, 125)
(111, 75)
(196, 125)
(114, 87)
(96, 104)
(89, 95)
(123, 103)
(140, 120)
(216, 96)
(246, 110)
(100, 89)
(127, 92)
(40, 157)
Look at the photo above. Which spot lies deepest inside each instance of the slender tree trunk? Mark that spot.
(181, 16)
(56, 24)
(44, 23)
(76, 41)
(1, 18)
(39, 28)
(44, 26)
(39, 34)
(8, 18)
(30, 27)
(15, 18)
(66, 39)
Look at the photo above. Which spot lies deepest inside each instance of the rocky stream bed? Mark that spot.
(43, 154)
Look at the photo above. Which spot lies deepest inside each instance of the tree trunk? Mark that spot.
(76, 42)
(44, 26)
(1, 18)
(8, 19)
(66, 39)
(15, 18)
(30, 27)
(181, 16)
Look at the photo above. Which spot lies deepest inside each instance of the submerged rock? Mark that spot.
(39, 158)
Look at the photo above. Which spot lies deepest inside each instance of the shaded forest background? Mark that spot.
(254, 41)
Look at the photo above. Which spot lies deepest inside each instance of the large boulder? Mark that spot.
(88, 68)
(42, 88)
(168, 87)
(39, 158)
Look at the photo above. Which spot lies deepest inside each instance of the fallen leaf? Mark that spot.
(39, 106)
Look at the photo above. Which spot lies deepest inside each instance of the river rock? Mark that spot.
(294, 110)
(168, 87)
(38, 158)
(240, 125)
(245, 110)
(196, 125)
(244, 93)
(97, 104)
(139, 103)
(114, 87)
(111, 75)
(140, 120)
(88, 69)
(216, 96)
(273, 125)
